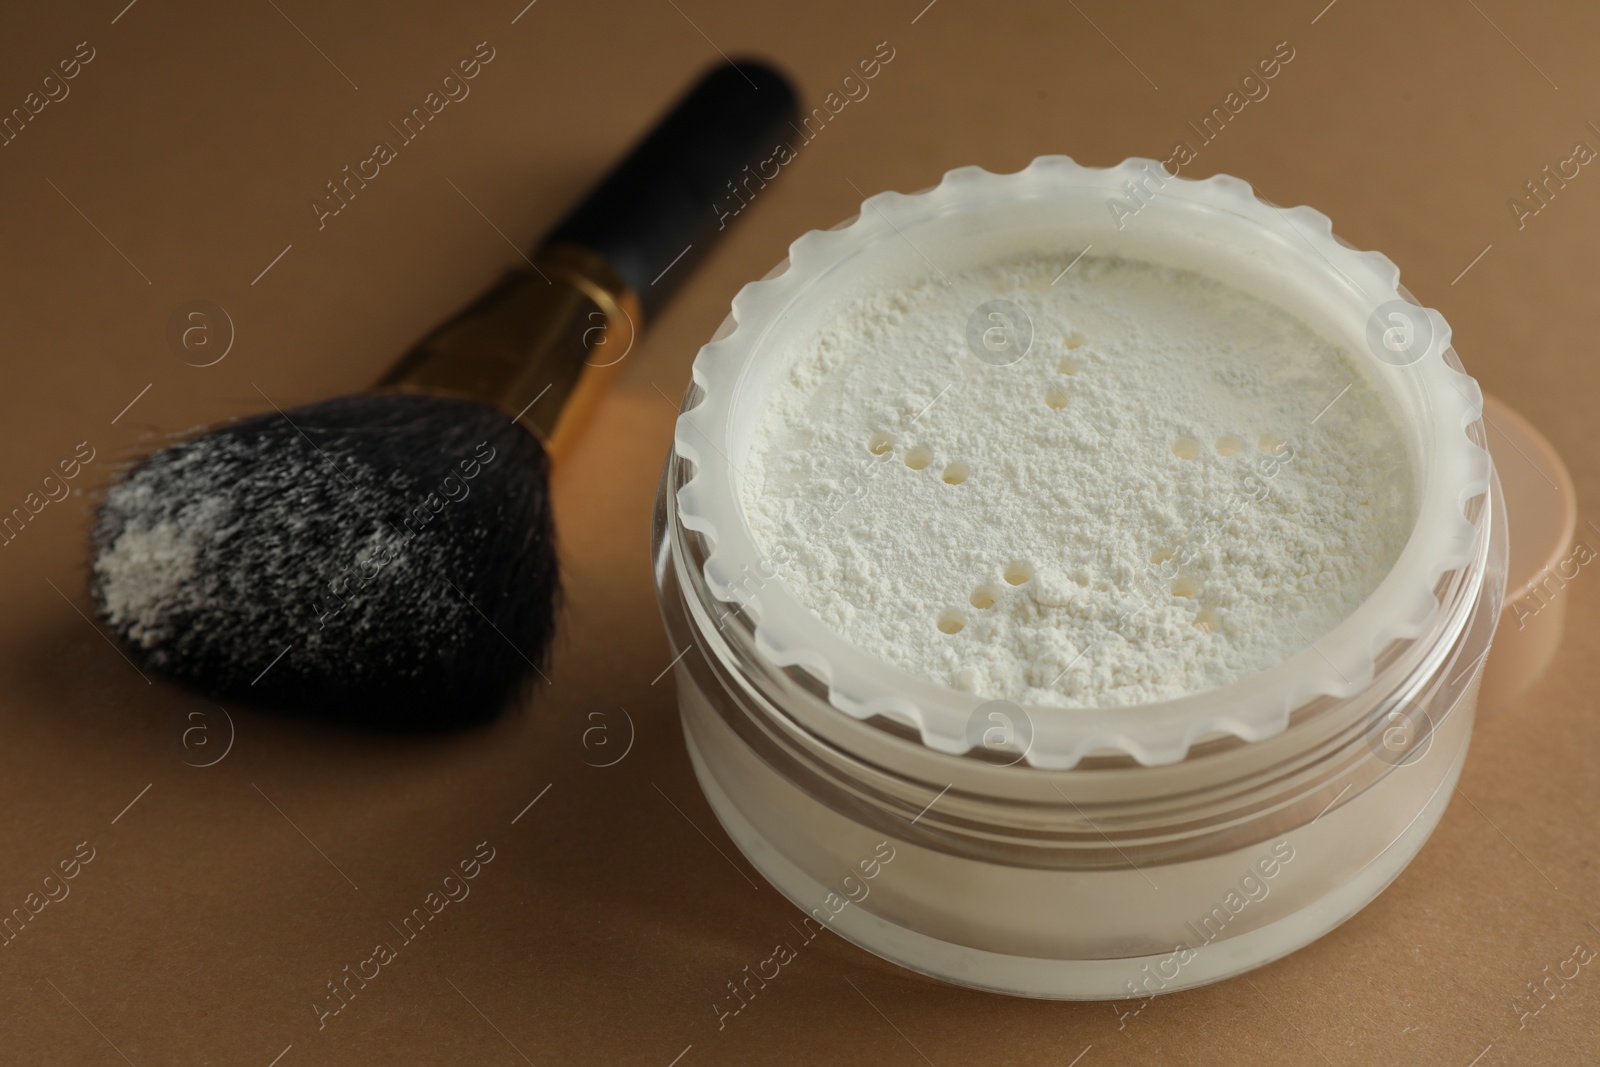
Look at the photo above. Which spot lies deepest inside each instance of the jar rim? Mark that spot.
(1453, 471)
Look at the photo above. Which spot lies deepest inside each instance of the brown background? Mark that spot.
(208, 923)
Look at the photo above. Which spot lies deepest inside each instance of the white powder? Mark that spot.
(1156, 500)
(149, 570)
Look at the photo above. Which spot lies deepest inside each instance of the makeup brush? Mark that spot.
(388, 559)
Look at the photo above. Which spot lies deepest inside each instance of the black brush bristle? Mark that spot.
(386, 559)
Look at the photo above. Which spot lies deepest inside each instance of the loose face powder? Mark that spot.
(1113, 485)
(1216, 485)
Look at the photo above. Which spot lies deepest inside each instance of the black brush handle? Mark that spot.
(666, 203)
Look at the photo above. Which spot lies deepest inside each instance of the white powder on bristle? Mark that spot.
(1155, 501)
(148, 573)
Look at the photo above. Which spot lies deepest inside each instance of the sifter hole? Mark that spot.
(951, 621)
(1186, 448)
(984, 597)
(880, 443)
(1184, 587)
(955, 473)
(1017, 572)
(919, 457)
(1229, 445)
(1056, 397)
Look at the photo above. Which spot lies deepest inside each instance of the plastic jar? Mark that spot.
(1078, 852)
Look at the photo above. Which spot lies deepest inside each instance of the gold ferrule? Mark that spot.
(541, 345)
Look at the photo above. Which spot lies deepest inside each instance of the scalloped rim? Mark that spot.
(1259, 706)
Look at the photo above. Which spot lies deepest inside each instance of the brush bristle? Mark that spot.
(386, 559)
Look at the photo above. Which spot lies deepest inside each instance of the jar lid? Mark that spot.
(1058, 206)
(1542, 519)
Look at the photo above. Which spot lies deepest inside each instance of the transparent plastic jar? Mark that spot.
(1082, 853)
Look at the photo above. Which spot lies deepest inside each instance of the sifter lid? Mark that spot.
(1216, 227)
